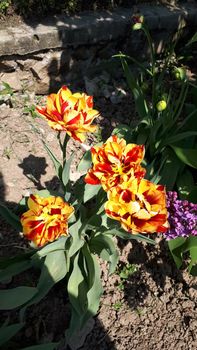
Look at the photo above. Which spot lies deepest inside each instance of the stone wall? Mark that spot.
(40, 57)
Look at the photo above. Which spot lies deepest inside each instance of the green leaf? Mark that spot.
(76, 241)
(186, 155)
(15, 297)
(10, 217)
(86, 162)
(8, 332)
(14, 269)
(90, 191)
(172, 166)
(56, 162)
(85, 289)
(117, 231)
(94, 222)
(123, 131)
(192, 40)
(54, 270)
(5, 262)
(95, 286)
(178, 137)
(51, 247)
(47, 346)
(46, 193)
(193, 255)
(185, 184)
(66, 170)
(193, 195)
(139, 98)
(104, 246)
(176, 248)
(77, 289)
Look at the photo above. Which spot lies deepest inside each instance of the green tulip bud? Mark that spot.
(137, 22)
(161, 105)
(180, 73)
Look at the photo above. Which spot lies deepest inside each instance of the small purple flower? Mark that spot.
(182, 217)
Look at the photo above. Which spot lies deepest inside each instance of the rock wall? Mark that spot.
(40, 57)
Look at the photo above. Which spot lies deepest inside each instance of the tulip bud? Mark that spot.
(137, 22)
(161, 105)
(179, 73)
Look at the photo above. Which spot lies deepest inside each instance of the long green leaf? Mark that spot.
(5, 262)
(176, 249)
(56, 162)
(192, 40)
(90, 191)
(14, 269)
(51, 247)
(15, 297)
(104, 246)
(54, 269)
(193, 255)
(10, 217)
(140, 101)
(128, 236)
(170, 170)
(178, 137)
(121, 55)
(187, 156)
(76, 240)
(77, 289)
(6, 333)
(85, 162)
(95, 288)
(66, 170)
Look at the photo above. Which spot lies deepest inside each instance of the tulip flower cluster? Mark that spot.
(138, 204)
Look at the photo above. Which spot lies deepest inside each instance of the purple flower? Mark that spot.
(182, 217)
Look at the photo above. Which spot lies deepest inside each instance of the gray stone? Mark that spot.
(63, 49)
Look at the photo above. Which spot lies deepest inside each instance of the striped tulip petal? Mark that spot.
(139, 205)
(115, 162)
(46, 220)
(72, 113)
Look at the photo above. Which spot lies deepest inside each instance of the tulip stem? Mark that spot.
(66, 138)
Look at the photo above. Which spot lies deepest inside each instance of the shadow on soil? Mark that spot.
(158, 263)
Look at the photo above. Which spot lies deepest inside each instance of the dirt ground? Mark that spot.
(154, 309)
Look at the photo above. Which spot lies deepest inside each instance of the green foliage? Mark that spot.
(4, 4)
(127, 271)
(124, 273)
(168, 132)
(7, 332)
(167, 129)
(179, 246)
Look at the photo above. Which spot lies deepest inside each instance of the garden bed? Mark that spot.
(153, 308)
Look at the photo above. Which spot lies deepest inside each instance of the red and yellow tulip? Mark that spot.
(139, 206)
(115, 162)
(46, 219)
(72, 113)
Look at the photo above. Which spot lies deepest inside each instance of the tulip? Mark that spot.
(72, 113)
(115, 162)
(139, 206)
(46, 220)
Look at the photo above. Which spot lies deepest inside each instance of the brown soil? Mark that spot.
(156, 306)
